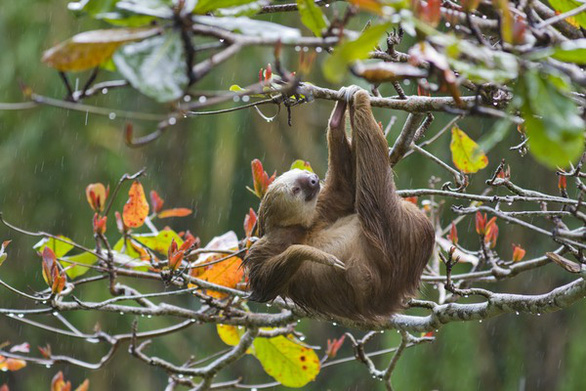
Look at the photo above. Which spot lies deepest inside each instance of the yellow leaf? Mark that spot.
(91, 48)
(231, 335)
(136, 208)
(466, 154)
(302, 165)
(289, 363)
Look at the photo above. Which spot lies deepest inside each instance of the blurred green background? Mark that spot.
(49, 155)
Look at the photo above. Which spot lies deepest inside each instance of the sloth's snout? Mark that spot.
(310, 184)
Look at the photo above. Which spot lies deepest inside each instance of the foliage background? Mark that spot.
(48, 156)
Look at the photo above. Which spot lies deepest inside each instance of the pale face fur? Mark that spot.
(290, 200)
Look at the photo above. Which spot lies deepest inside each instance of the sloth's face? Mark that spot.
(291, 198)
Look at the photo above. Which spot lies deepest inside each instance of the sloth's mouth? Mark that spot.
(312, 193)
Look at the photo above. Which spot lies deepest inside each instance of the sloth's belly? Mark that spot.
(339, 239)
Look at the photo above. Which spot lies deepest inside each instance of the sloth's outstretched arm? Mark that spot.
(268, 278)
(377, 203)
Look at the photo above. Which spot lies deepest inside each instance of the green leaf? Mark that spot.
(302, 165)
(74, 271)
(159, 243)
(204, 6)
(552, 120)
(59, 247)
(311, 16)
(155, 67)
(251, 27)
(571, 51)
(334, 67)
(568, 5)
(289, 363)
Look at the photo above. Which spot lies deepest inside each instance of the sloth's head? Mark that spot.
(290, 200)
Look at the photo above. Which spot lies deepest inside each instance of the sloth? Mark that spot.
(354, 249)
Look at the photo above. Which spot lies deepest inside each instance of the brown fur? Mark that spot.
(358, 218)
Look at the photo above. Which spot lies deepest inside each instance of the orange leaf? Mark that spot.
(176, 212)
(97, 194)
(453, 235)
(249, 222)
(518, 253)
(11, 364)
(369, 5)
(85, 386)
(58, 383)
(227, 273)
(136, 208)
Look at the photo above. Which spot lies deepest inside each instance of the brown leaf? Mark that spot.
(136, 208)
(91, 48)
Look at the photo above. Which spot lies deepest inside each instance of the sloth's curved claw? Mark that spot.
(348, 92)
(335, 262)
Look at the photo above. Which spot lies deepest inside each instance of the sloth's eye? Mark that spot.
(296, 190)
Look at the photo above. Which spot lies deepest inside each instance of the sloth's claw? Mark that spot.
(335, 262)
(349, 92)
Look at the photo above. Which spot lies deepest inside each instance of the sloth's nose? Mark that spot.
(310, 185)
(313, 180)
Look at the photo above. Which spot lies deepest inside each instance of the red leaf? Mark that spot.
(45, 351)
(136, 208)
(260, 178)
(518, 253)
(453, 235)
(334, 345)
(176, 212)
(562, 182)
(99, 224)
(156, 201)
(480, 223)
(4, 387)
(249, 222)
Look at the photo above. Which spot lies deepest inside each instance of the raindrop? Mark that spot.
(245, 98)
(406, 82)
(112, 115)
(202, 99)
(193, 321)
(104, 91)
(466, 296)
(305, 49)
(516, 312)
(297, 48)
(142, 315)
(327, 6)
(55, 313)
(269, 305)
(172, 121)
(236, 99)
(11, 315)
(334, 324)
(149, 316)
(457, 27)
(484, 17)
(382, 331)
(187, 98)
(121, 313)
(298, 320)
(318, 49)
(448, 24)
(539, 314)
(302, 338)
(480, 321)
(436, 330)
(221, 39)
(93, 340)
(253, 389)
(180, 376)
(44, 302)
(47, 366)
(20, 316)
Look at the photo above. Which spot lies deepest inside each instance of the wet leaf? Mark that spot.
(155, 66)
(3, 254)
(302, 165)
(175, 212)
(289, 363)
(567, 5)
(136, 208)
(59, 247)
(73, 270)
(252, 27)
(312, 16)
(571, 51)
(159, 243)
(227, 273)
(466, 154)
(552, 121)
(91, 48)
(204, 6)
(11, 364)
(335, 66)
